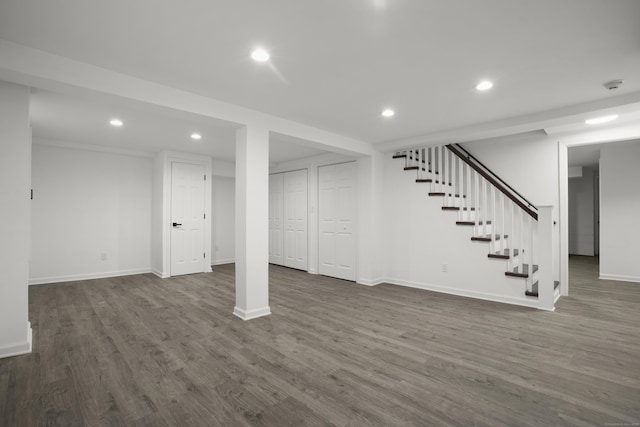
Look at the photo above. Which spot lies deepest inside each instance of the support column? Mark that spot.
(252, 223)
(15, 179)
(370, 236)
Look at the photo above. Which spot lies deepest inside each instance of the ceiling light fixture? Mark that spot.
(603, 119)
(196, 136)
(484, 85)
(260, 55)
(388, 112)
(116, 122)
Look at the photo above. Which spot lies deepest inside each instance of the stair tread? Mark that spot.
(504, 254)
(399, 156)
(521, 272)
(440, 193)
(411, 168)
(450, 208)
(487, 237)
(472, 222)
(424, 180)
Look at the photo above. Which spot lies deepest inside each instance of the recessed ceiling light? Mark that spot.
(116, 123)
(484, 85)
(260, 55)
(196, 136)
(388, 113)
(603, 119)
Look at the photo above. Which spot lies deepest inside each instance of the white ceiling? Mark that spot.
(336, 64)
(65, 118)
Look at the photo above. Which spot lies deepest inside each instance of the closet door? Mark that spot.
(276, 213)
(336, 215)
(295, 210)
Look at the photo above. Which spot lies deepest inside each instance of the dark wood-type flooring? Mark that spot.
(142, 351)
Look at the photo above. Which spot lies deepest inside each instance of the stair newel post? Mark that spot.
(529, 231)
(419, 160)
(546, 291)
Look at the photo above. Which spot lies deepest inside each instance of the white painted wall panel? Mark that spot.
(619, 211)
(15, 332)
(224, 220)
(89, 206)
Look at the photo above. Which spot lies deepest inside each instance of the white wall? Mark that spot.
(157, 218)
(15, 139)
(529, 165)
(422, 240)
(223, 222)
(581, 213)
(619, 211)
(91, 214)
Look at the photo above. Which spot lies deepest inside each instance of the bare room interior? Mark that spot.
(290, 213)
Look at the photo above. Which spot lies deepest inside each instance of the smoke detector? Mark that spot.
(613, 84)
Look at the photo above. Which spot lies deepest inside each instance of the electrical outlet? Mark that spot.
(103, 256)
(445, 268)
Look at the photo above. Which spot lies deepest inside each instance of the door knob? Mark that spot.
(175, 224)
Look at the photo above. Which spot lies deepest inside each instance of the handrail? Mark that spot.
(492, 180)
(492, 173)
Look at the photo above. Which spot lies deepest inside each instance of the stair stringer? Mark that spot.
(421, 238)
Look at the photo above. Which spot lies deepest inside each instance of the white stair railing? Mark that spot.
(501, 216)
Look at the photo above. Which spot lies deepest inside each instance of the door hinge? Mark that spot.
(205, 177)
(32, 194)
(204, 216)
(204, 255)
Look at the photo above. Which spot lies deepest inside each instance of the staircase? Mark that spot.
(515, 232)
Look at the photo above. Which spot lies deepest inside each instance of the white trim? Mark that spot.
(251, 314)
(367, 282)
(89, 276)
(19, 348)
(223, 261)
(160, 274)
(465, 293)
(620, 277)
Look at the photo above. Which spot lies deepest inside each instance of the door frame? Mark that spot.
(164, 162)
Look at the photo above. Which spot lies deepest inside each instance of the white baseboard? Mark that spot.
(620, 277)
(87, 276)
(223, 261)
(17, 349)
(370, 282)
(160, 274)
(463, 293)
(251, 314)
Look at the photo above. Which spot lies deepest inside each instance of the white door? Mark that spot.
(295, 210)
(336, 215)
(187, 218)
(276, 208)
